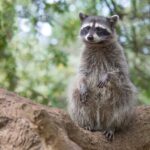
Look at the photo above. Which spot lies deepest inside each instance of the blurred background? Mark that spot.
(40, 46)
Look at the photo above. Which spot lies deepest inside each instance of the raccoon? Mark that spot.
(102, 96)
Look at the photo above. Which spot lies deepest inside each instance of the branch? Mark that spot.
(25, 125)
(109, 7)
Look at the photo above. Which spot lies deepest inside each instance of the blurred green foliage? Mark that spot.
(39, 45)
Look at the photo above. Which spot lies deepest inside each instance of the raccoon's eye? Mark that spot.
(98, 29)
(101, 31)
(87, 28)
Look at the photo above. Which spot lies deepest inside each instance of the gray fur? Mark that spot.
(109, 107)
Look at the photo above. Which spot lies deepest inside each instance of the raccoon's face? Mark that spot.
(96, 29)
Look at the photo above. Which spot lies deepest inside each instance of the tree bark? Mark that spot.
(25, 125)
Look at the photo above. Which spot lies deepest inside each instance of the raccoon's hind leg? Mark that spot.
(123, 113)
(83, 89)
(81, 113)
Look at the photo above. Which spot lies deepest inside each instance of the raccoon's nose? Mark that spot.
(90, 38)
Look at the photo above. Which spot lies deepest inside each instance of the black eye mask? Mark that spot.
(85, 30)
(101, 31)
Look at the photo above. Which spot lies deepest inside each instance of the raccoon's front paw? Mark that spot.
(109, 134)
(103, 81)
(84, 96)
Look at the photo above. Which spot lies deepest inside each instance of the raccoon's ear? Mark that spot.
(113, 19)
(82, 16)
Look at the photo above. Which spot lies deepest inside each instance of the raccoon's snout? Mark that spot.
(90, 38)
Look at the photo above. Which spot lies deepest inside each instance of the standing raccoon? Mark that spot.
(102, 97)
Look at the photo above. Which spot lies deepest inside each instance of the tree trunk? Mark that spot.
(25, 125)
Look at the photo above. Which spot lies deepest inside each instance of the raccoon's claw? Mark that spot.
(102, 84)
(84, 96)
(88, 128)
(104, 80)
(109, 134)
